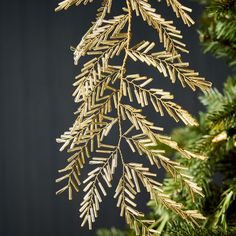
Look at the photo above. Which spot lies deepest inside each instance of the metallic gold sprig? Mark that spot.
(100, 89)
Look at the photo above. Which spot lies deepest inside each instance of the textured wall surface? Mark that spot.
(36, 75)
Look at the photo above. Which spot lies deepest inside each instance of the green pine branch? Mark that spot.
(218, 29)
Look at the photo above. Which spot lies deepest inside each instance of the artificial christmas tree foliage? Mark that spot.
(110, 98)
(218, 29)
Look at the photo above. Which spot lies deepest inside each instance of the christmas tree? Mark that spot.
(215, 137)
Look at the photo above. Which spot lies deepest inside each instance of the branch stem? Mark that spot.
(120, 94)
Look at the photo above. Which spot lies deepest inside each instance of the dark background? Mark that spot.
(36, 74)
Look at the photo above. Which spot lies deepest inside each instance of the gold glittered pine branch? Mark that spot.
(181, 11)
(108, 96)
(68, 3)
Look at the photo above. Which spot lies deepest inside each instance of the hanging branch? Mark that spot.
(100, 89)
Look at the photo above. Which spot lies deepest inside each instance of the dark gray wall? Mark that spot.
(36, 74)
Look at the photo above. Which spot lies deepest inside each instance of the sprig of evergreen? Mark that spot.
(108, 97)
